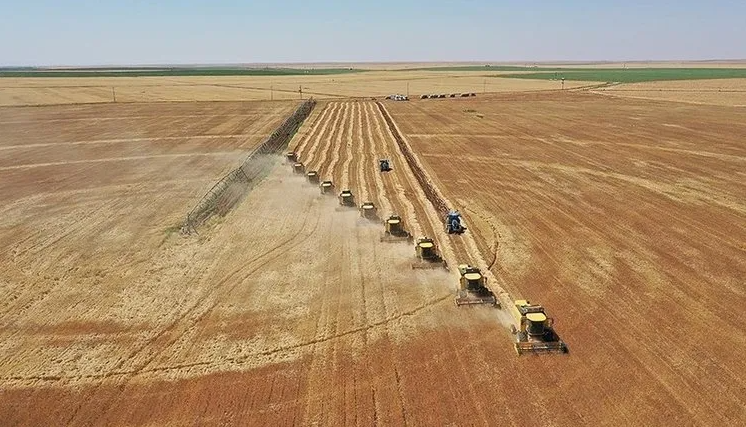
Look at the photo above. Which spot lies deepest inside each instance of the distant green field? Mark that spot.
(633, 75)
(174, 72)
(623, 75)
(480, 68)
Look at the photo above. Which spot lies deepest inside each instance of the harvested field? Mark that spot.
(39, 91)
(291, 311)
(729, 92)
(627, 220)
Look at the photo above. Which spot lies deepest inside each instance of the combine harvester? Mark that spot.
(298, 168)
(326, 187)
(291, 157)
(394, 230)
(346, 199)
(427, 254)
(384, 165)
(368, 211)
(472, 289)
(453, 223)
(535, 333)
(313, 177)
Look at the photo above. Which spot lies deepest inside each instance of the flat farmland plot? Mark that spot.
(627, 220)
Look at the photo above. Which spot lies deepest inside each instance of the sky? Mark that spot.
(118, 32)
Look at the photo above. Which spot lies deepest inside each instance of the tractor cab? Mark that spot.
(453, 222)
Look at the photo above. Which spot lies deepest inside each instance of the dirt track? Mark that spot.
(289, 311)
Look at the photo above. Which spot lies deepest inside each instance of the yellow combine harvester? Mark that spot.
(346, 199)
(535, 333)
(394, 230)
(313, 177)
(326, 187)
(472, 289)
(299, 168)
(368, 210)
(427, 254)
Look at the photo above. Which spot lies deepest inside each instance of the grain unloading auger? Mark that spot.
(472, 289)
(427, 254)
(535, 332)
(394, 230)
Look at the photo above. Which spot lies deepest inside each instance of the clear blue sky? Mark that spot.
(75, 32)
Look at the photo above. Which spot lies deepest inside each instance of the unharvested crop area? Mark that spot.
(625, 218)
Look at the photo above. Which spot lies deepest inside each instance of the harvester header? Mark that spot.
(472, 288)
(535, 332)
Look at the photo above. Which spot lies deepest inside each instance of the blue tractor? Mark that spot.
(453, 223)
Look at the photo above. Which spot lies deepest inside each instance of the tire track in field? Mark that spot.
(272, 253)
(190, 318)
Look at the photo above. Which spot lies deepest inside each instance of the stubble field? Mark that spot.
(625, 218)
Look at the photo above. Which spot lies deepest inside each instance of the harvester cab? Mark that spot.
(368, 210)
(453, 223)
(472, 289)
(535, 332)
(313, 177)
(298, 167)
(427, 254)
(291, 156)
(394, 230)
(346, 198)
(326, 187)
(384, 165)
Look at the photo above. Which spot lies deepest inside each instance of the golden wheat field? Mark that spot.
(624, 217)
